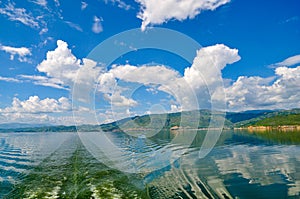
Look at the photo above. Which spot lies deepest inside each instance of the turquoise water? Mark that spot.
(60, 165)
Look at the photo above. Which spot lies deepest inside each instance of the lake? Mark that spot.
(70, 165)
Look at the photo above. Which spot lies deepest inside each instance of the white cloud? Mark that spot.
(42, 3)
(63, 69)
(118, 100)
(142, 75)
(45, 111)
(175, 108)
(19, 14)
(158, 12)
(44, 30)
(208, 64)
(289, 61)
(97, 26)
(145, 74)
(73, 25)
(279, 92)
(152, 90)
(42, 118)
(44, 42)
(60, 64)
(44, 81)
(57, 3)
(35, 105)
(204, 76)
(84, 5)
(204, 72)
(22, 52)
(9, 79)
(35, 18)
(121, 4)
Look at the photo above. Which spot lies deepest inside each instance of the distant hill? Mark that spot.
(236, 117)
(20, 125)
(274, 118)
(186, 119)
(280, 120)
(41, 129)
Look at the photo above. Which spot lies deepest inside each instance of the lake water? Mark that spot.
(65, 165)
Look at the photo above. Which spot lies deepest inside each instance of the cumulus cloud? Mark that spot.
(204, 72)
(118, 100)
(209, 63)
(60, 64)
(142, 75)
(19, 14)
(201, 79)
(36, 105)
(145, 75)
(22, 52)
(279, 92)
(205, 76)
(97, 26)
(61, 69)
(46, 111)
(158, 12)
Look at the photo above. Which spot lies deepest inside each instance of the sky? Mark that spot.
(246, 57)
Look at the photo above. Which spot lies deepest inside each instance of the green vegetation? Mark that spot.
(273, 119)
(280, 120)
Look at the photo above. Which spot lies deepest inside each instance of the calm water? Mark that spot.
(61, 165)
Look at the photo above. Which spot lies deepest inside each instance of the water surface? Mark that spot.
(60, 165)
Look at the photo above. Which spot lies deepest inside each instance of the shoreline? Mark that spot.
(270, 128)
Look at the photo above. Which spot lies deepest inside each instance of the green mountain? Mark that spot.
(187, 119)
(280, 120)
(274, 118)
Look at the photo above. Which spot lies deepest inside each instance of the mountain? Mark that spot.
(273, 118)
(187, 119)
(60, 128)
(236, 117)
(20, 125)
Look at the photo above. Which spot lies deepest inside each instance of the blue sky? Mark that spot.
(254, 44)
